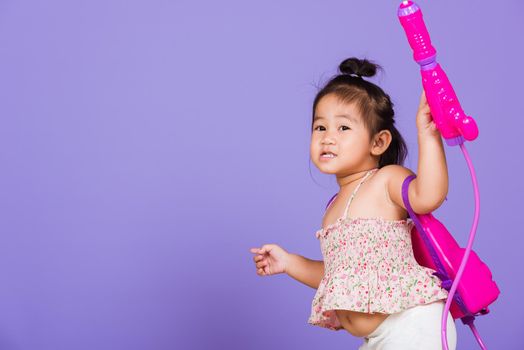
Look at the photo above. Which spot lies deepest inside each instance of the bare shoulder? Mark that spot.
(392, 171)
(393, 176)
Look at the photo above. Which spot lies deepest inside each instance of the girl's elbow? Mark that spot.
(428, 204)
(435, 204)
(422, 210)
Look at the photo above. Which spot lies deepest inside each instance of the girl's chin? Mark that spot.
(326, 169)
(327, 165)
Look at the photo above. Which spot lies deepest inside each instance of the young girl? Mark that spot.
(369, 282)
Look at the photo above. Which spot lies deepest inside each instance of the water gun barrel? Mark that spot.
(450, 119)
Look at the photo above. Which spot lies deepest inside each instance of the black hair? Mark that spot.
(371, 101)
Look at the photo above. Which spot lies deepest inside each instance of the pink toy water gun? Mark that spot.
(434, 247)
(450, 119)
(471, 288)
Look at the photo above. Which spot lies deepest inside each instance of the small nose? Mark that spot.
(327, 140)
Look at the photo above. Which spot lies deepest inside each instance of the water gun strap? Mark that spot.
(441, 271)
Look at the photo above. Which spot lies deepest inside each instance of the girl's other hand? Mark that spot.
(270, 259)
(425, 123)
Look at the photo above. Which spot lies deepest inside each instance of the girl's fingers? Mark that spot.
(261, 264)
(423, 99)
(257, 250)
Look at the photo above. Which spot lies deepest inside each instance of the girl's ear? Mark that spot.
(381, 142)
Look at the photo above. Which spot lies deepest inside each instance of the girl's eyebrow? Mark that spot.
(347, 116)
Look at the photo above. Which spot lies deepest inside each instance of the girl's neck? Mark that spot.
(350, 180)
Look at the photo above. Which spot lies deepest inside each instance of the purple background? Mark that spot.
(145, 146)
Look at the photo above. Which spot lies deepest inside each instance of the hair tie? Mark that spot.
(354, 75)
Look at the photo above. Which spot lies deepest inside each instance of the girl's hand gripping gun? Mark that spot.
(447, 114)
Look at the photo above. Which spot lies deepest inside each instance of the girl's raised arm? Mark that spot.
(431, 183)
(429, 189)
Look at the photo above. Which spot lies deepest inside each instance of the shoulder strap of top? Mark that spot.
(356, 189)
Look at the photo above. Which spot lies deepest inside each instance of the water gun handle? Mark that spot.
(453, 124)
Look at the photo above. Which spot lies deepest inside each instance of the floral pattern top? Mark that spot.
(369, 267)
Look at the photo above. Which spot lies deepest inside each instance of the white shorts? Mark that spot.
(416, 328)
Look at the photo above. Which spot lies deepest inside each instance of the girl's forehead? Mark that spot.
(329, 107)
(333, 102)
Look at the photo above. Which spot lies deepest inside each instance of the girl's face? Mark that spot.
(338, 129)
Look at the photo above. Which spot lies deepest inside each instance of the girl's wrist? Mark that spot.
(428, 132)
(287, 259)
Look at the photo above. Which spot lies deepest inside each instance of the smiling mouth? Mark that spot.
(327, 155)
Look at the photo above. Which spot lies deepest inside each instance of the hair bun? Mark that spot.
(355, 66)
